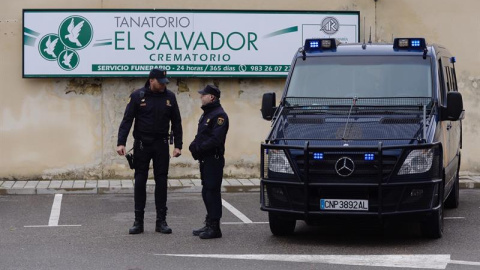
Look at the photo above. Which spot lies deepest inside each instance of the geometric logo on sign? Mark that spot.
(330, 25)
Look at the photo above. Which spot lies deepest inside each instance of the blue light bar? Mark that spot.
(369, 156)
(415, 42)
(320, 44)
(409, 44)
(318, 156)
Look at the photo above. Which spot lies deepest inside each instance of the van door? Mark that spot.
(450, 147)
(455, 132)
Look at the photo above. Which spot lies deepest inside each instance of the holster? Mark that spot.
(130, 159)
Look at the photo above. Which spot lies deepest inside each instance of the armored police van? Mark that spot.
(363, 130)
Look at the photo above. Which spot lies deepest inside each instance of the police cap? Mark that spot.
(210, 89)
(159, 74)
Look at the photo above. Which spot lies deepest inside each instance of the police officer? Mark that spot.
(153, 107)
(208, 148)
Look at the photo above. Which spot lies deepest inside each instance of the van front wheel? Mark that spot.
(281, 226)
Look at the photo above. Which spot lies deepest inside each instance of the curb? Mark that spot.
(126, 186)
(115, 190)
(118, 186)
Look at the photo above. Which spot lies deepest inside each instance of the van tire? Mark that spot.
(432, 226)
(281, 226)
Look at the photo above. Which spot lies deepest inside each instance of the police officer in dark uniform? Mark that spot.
(153, 107)
(208, 148)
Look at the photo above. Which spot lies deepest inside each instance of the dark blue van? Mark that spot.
(364, 130)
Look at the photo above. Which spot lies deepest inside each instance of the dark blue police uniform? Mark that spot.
(208, 148)
(153, 112)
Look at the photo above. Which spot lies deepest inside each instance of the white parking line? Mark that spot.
(235, 223)
(426, 261)
(237, 213)
(46, 226)
(55, 213)
(454, 217)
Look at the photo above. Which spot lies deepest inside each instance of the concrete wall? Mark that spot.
(67, 128)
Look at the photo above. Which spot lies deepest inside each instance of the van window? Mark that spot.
(449, 79)
(454, 79)
(361, 76)
(443, 85)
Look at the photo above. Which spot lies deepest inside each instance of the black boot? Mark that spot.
(161, 224)
(138, 224)
(197, 232)
(212, 231)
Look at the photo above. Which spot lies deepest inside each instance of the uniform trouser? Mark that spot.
(211, 173)
(158, 151)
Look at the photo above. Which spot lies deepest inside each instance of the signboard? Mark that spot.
(128, 43)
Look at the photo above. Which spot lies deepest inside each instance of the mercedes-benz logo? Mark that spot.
(344, 166)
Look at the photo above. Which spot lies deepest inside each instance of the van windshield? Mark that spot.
(361, 76)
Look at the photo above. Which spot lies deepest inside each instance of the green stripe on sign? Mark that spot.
(30, 31)
(102, 44)
(283, 31)
(28, 40)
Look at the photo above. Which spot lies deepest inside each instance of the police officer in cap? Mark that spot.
(153, 107)
(208, 148)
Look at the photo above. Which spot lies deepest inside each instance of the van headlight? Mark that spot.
(418, 161)
(278, 162)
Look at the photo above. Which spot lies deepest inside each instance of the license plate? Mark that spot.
(346, 205)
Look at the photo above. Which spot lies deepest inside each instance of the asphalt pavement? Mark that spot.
(69, 231)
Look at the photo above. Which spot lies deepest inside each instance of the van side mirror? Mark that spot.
(454, 106)
(268, 106)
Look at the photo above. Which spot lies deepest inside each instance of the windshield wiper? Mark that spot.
(348, 118)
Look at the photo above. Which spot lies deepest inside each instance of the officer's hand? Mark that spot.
(176, 152)
(121, 150)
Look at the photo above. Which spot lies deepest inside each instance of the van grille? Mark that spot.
(323, 171)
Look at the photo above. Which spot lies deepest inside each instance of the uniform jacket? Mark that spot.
(212, 132)
(152, 113)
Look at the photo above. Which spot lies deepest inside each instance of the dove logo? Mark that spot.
(68, 60)
(76, 32)
(49, 47)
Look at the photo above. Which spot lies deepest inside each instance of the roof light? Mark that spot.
(320, 44)
(314, 44)
(326, 43)
(409, 44)
(403, 43)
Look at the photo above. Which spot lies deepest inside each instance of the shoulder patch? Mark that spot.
(220, 121)
(129, 99)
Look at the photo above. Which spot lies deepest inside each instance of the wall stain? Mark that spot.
(182, 85)
(84, 87)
